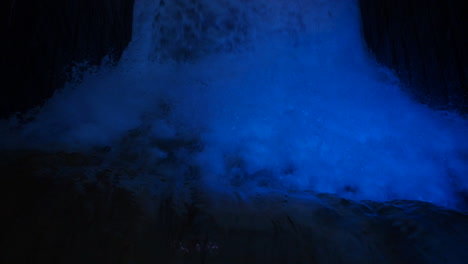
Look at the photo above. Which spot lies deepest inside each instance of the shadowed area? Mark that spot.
(70, 208)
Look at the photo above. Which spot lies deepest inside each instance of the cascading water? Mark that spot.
(277, 93)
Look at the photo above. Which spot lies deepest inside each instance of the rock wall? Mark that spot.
(41, 40)
(426, 43)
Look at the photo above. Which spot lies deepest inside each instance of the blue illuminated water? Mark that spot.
(279, 93)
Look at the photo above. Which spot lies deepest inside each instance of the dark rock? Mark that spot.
(59, 218)
(42, 39)
(425, 42)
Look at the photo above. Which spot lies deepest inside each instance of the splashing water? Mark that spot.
(278, 93)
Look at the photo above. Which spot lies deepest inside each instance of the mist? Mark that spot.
(272, 94)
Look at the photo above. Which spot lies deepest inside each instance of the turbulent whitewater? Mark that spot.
(277, 94)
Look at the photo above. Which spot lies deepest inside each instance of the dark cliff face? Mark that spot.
(426, 43)
(42, 39)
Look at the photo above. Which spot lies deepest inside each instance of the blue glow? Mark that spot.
(285, 96)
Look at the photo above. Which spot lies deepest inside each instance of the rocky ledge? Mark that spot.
(70, 207)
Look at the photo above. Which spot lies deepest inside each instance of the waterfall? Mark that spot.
(278, 94)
